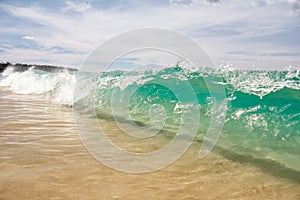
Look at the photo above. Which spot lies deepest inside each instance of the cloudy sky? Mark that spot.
(246, 34)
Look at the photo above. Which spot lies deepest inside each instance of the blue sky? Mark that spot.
(255, 34)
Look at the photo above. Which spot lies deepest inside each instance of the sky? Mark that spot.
(253, 34)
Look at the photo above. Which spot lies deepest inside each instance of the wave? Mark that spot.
(57, 86)
(247, 91)
(262, 115)
(258, 83)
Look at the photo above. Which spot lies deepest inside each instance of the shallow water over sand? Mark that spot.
(42, 157)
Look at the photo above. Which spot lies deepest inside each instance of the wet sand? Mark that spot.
(42, 157)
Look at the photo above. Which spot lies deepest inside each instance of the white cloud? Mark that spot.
(27, 37)
(43, 56)
(212, 26)
(78, 7)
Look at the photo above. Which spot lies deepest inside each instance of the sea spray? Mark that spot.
(56, 86)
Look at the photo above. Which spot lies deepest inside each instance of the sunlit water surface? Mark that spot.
(42, 157)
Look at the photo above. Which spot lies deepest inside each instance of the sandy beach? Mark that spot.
(42, 157)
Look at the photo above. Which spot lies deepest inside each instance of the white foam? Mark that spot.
(261, 83)
(58, 87)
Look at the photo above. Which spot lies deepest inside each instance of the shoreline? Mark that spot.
(20, 67)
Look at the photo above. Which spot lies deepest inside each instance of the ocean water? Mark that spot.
(261, 128)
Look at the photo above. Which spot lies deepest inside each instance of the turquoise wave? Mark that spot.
(262, 113)
(269, 111)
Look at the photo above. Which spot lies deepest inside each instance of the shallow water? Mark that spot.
(42, 157)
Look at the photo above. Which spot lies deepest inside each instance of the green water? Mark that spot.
(262, 122)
